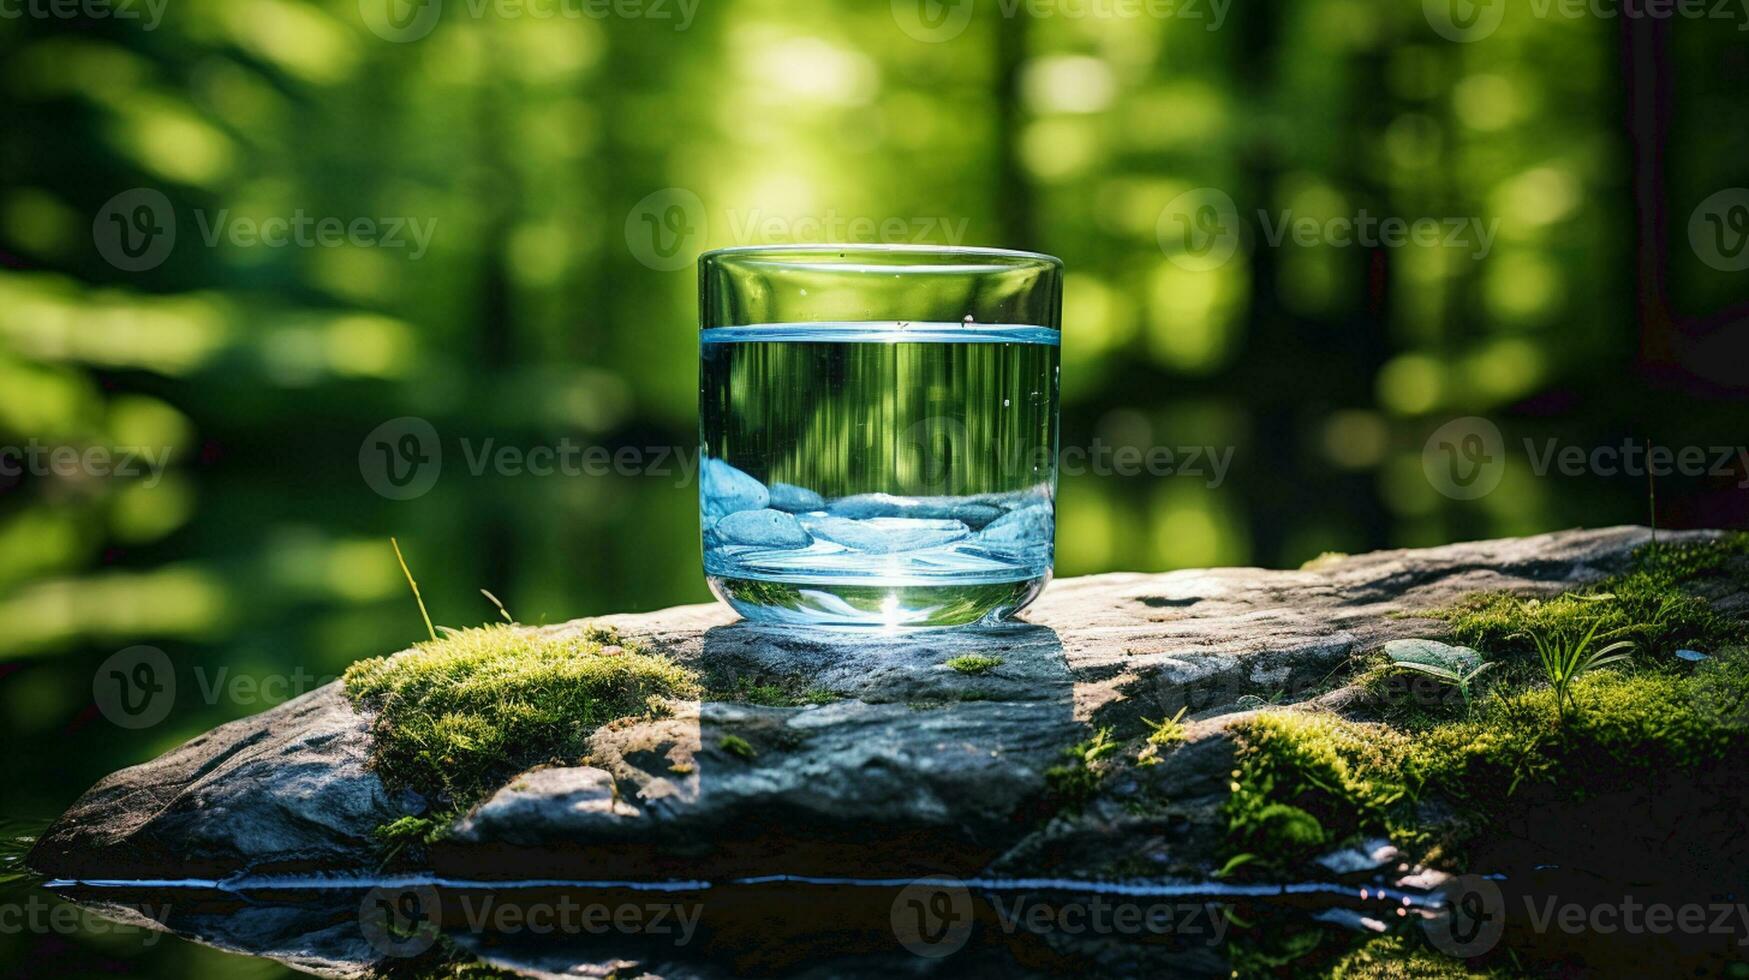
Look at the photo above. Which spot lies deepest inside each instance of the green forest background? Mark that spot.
(543, 152)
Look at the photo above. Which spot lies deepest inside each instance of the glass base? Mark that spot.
(838, 604)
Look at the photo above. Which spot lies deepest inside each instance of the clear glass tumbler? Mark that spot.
(879, 432)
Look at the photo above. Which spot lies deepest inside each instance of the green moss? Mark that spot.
(408, 831)
(1164, 735)
(736, 745)
(1305, 781)
(1652, 604)
(456, 717)
(1395, 957)
(973, 664)
(1077, 779)
(786, 692)
(1352, 778)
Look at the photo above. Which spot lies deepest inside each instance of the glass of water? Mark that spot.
(879, 432)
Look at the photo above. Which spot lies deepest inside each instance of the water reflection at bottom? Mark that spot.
(776, 926)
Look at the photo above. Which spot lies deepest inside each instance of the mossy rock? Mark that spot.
(612, 746)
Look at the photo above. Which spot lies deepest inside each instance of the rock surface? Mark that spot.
(286, 789)
(917, 768)
(727, 490)
(794, 499)
(885, 535)
(769, 528)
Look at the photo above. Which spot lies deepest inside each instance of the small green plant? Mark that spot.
(974, 664)
(503, 612)
(1458, 667)
(398, 835)
(1564, 661)
(736, 745)
(1075, 782)
(1165, 734)
(429, 629)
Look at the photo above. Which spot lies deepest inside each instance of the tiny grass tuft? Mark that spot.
(1075, 781)
(423, 614)
(1168, 733)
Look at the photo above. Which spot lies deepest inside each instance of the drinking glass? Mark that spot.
(878, 429)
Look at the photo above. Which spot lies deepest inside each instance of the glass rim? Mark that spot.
(849, 253)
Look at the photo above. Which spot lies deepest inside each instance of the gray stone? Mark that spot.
(285, 789)
(795, 500)
(885, 535)
(1365, 857)
(948, 782)
(762, 528)
(1028, 525)
(974, 512)
(727, 490)
(920, 767)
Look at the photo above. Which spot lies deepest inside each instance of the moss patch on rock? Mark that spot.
(1436, 776)
(1660, 604)
(453, 718)
(770, 692)
(1308, 781)
(1397, 957)
(974, 664)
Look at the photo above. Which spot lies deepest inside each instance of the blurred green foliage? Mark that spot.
(547, 158)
